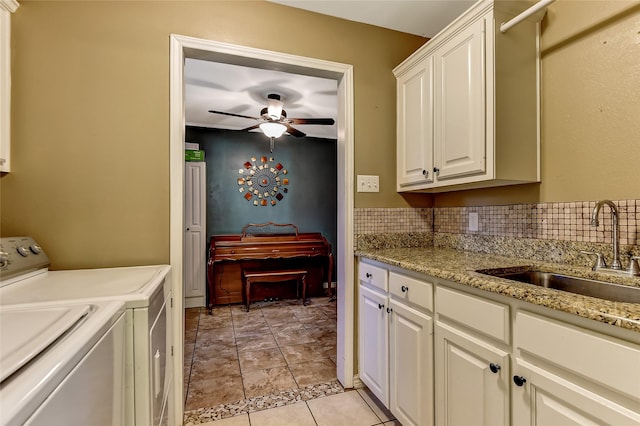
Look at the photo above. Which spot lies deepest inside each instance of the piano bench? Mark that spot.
(250, 276)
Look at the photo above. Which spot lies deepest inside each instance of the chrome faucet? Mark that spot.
(615, 263)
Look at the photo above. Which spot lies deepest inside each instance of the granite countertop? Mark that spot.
(460, 266)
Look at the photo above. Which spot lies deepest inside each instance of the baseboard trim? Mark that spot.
(357, 383)
(194, 302)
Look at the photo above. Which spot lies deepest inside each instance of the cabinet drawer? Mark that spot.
(373, 276)
(613, 363)
(411, 290)
(485, 316)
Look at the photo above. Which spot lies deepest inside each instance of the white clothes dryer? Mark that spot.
(145, 292)
(62, 363)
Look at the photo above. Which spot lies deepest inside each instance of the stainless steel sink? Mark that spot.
(583, 286)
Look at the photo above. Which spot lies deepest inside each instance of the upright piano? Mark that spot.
(268, 246)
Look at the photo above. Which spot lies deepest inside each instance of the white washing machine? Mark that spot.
(62, 363)
(145, 292)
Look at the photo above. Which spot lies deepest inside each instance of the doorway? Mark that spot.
(187, 47)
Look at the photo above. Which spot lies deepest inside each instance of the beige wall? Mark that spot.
(90, 113)
(590, 108)
(90, 107)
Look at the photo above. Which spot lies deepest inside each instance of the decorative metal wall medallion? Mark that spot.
(262, 182)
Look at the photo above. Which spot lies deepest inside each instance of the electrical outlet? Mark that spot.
(367, 183)
(473, 221)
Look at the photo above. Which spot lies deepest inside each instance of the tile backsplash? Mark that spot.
(386, 221)
(546, 230)
(377, 228)
(547, 221)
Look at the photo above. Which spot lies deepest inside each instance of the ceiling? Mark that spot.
(420, 17)
(243, 90)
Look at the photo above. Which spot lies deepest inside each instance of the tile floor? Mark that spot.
(273, 365)
(350, 408)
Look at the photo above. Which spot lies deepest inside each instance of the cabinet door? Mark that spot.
(410, 365)
(5, 89)
(374, 343)
(415, 126)
(459, 142)
(468, 391)
(546, 399)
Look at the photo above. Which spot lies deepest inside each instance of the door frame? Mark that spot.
(183, 47)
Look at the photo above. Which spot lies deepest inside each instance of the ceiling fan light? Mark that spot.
(274, 109)
(273, 130)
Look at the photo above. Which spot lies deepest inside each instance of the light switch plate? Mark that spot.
(473, 221)
(368, 183)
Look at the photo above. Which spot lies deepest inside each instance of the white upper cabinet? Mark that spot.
(6, 8)
(468, 104)
(460, 112)
(415, 123)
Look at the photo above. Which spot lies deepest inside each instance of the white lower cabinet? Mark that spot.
(396, 345)
(568, 375)
(374, 343)
(493, 360)
(544, 398)
(410, 365)
(472, 359)
(472, 380)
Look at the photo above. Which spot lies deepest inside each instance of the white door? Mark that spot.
(415, 126)
(546, 399)
(195, 241)
(460, 113)
(374, 343)
(472, 380)
(410, 365)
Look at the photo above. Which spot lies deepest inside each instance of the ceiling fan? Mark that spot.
(273, 120)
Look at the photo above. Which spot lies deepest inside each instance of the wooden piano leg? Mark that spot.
(304, 290)
(210, 285)
(248, 292)
(329, 276)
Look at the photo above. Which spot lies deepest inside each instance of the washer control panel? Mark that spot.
(19, 256)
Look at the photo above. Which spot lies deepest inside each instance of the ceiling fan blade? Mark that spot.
(294, 132)
(250, 128)
(233, 115)
(327, 121)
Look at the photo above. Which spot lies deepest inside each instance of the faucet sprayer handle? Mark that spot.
(634, 268)
(600, 262)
